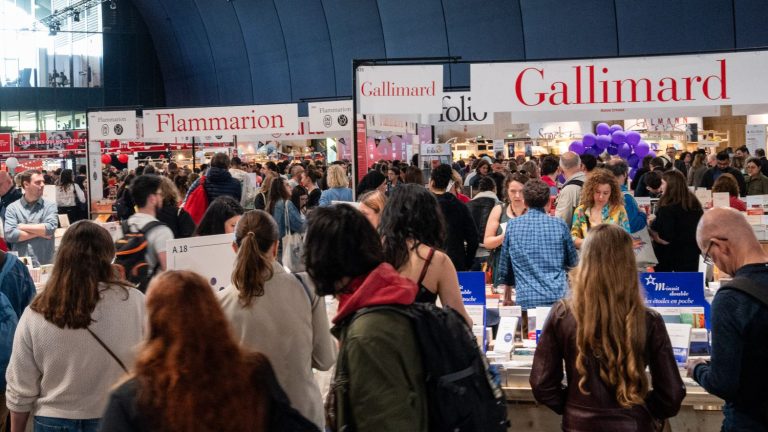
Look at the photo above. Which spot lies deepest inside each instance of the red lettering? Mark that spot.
(723, 83)
(563, 93)
(363, 90)
(672, 89)
(164, 119)
(519, 87)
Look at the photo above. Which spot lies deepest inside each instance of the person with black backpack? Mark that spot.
(141, 251)
(736, 371)
(570, 194)
(401, 366)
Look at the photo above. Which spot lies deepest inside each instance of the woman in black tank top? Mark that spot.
(413, 231)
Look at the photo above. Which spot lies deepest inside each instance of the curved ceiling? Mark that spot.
(226, 52)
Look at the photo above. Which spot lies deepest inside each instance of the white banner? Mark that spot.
(755, 137)
(301, 132)
(390, 124)
(441, 149)
(234, 120)
(458, 109)
(109, 125)
(95, 180)
(400, 89)
(603, 86)
(330, 116)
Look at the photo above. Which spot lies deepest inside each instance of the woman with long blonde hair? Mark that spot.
(607, 337)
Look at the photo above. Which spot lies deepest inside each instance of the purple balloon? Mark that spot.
(615, 128)
(632, 173)
(632, 160)
(641, 149)
(576, 147)
(624, 151)
(602, 142)
(633, 138)
(619, 137)
(592, 151)
(588, 140)
(603, 129)
(613, 149)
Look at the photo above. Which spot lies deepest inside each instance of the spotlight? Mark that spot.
(76, 16)
(113, 5)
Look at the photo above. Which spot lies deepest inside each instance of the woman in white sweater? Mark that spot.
(277, 314)
(61, 366)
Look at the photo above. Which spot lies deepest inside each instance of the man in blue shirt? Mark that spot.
(31, 221)
(537, 251)
(737, 370)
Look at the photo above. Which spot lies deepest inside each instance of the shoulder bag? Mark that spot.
(293, 245)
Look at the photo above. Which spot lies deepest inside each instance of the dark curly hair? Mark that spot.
(411, 213)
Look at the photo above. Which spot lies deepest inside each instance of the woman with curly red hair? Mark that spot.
(601, 203)
(191, 375)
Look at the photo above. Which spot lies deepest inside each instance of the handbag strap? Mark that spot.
(108, 350)
(286, 218)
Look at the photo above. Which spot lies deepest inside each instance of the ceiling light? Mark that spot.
(113, 5)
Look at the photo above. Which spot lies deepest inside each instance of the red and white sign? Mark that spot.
(400, 89)
(234, 120)
(5, 143)
(112, 125)
(333, 116)
(611, 85)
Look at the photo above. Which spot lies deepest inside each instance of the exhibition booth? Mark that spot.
(627, 107)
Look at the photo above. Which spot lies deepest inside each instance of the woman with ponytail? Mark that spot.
(278, 314)
(607, 338)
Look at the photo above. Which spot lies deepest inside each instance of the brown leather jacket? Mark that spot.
(599, 411)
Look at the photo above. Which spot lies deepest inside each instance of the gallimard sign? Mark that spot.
(400, 89)
(243, 120)
(610, 85)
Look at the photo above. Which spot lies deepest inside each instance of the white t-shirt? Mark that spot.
(156, 238)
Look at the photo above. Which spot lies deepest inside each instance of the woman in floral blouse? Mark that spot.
(601, 203)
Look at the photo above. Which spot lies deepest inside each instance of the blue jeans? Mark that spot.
(53, 424)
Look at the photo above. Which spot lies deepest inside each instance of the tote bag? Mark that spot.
(293, 246)
(644, 255)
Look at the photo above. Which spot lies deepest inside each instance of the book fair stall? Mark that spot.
(629, 108)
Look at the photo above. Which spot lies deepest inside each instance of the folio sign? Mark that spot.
(609, 85)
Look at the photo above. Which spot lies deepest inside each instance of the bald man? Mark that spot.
(737, 371)
(8, 192)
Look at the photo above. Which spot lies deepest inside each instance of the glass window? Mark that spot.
(28, 121)
(64, 120)
(9, 120)
(47, 121)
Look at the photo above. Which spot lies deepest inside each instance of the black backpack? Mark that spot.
(462, 395)
(131, 255)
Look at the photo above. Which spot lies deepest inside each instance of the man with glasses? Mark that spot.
(737, 371)
(723, 166)
(146, 194)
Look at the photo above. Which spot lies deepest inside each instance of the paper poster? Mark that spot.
(704, 196)
(679, 297)
(680, 336)
(210, 256)
(721, 200)
(505, 335)
(472, 287)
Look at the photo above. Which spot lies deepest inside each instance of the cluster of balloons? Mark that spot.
(613, 139)
(107, 159)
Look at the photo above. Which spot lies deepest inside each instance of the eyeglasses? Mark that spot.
(708, 259)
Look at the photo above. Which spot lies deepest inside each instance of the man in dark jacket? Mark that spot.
(480, 208)
(218, 180)
(736, 371)
(8, 192)
(723, 167)
(461, 239)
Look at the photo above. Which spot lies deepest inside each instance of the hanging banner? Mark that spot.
(330, 116)
(755, 137)
(458, 110)
(112, 124)
(400, 89)
(5, 142)
(607, 85)
(233, 120)
(678, 297)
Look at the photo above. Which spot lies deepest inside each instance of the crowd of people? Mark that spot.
(563, 232)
